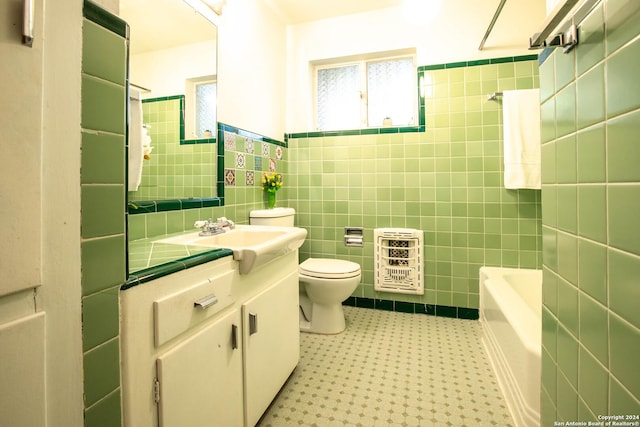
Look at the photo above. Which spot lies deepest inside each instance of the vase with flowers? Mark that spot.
(271, 183)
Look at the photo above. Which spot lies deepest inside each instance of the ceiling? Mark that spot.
(163, 23)
(298, 11)
(154, 23)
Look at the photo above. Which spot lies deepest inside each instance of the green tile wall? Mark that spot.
(103, 248)
(590, 198)
(242, 188)
(447, 181)
(174, 171)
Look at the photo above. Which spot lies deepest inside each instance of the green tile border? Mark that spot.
(502, 60)
(257, 137)
(158, 271)
(415, 308)
(421, 113)
(198, 141)
(163, 98)
(111, 22)
(152, 206)
(359, 132)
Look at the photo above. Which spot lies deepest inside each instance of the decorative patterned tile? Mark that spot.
(272, 165)
(258, 163)
(265, 149)
(379, 372)
(241, 161)
(279, 153)
(229, 177)
(250, 178)
(249, 146)
(230, 141)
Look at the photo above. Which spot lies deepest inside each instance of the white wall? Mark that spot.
(61, 291)
(454, 36)
(165, 71)
(40, 198)
(252, 68)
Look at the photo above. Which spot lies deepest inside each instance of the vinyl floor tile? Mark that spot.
(392, 369)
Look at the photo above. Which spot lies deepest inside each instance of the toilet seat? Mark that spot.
(325, 268)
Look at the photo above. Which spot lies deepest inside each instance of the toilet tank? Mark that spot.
(281, 217)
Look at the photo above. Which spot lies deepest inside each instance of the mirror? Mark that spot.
(173, 76)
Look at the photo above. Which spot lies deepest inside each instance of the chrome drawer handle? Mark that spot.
(234, 337)
(253, 323)
(206, 302)
(27, 23)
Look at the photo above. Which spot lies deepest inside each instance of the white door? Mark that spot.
(200, 379)
(21, 152)
(22, 330)
(271, 343)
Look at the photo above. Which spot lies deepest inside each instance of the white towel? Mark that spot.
(521, 117)
(136, 152)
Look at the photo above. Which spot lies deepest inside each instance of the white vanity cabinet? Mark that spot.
(200, 379)
(208, 346)
(271, 342)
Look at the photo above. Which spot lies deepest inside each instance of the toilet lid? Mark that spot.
(329, 268)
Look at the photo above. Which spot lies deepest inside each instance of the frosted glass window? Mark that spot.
(205, 108)
(391, 91)
(365, 93)
(338, 98)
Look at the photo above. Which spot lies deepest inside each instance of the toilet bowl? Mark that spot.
(324, 285)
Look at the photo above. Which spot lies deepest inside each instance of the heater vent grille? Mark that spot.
(399, 261)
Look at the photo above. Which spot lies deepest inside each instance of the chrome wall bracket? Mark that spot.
(567, 40)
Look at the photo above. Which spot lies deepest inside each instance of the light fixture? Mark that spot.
(210, 9)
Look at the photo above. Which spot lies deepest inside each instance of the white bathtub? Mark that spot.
(510, 314)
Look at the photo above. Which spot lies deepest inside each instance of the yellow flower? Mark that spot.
(271, 181)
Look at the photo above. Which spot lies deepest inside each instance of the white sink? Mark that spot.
(252, 245)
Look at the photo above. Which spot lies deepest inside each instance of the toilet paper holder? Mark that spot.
(353, 236)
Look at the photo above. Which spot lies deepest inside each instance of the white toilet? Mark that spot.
(324, 283)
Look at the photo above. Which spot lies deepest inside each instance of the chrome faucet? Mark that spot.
(210, 228)
(226, 223)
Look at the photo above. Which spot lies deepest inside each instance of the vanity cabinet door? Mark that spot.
(200, 379)
(271, 343)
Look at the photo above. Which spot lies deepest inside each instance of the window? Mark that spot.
(205, 108)
(371, 93)
(200, 107)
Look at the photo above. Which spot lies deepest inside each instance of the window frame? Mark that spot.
(363, 88)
